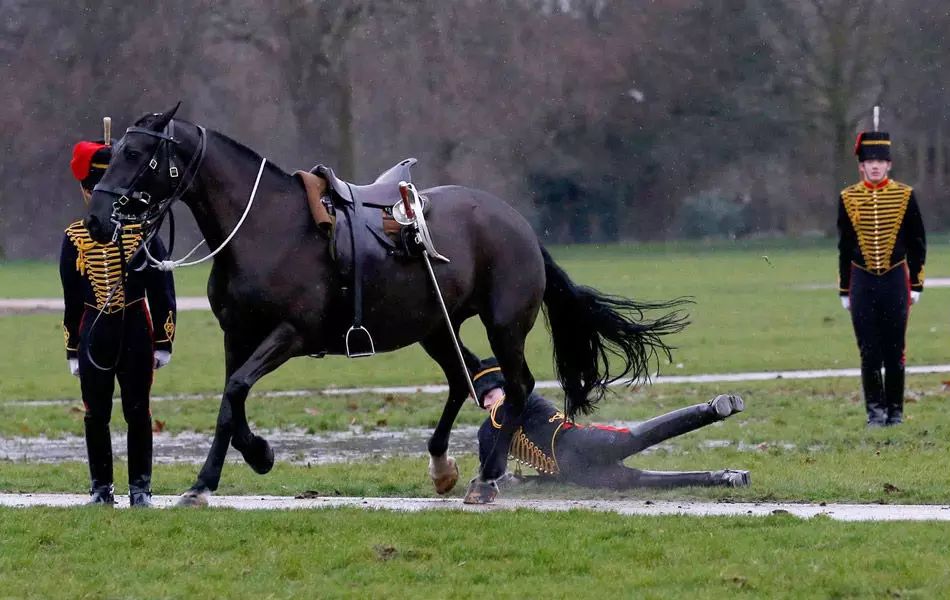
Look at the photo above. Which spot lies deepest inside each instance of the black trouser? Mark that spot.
(132, 341)
(592, 455)
(879, 311)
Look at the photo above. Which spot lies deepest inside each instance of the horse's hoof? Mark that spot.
(444, 472)
(194, 498)
(733, 478)
(259, 455)
(481, 492)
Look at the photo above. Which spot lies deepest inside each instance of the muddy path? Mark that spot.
(295, 446)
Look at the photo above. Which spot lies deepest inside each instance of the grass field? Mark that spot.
(356, 554)
(802, 440)
(749, 314)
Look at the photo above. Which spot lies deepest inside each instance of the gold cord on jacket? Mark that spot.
(169, 327)
(527, 453)
(876, 215)
(101, 263)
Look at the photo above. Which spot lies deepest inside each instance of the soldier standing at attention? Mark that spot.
(110, 335)
(881, 254)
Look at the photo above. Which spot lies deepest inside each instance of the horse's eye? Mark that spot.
(132, 154)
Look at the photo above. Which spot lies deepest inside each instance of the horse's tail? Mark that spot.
(588, 327)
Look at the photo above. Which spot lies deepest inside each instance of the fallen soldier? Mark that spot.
(593, 455)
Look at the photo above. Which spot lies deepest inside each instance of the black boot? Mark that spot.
(140, 463)
(894, 394)
(101, 495)
(874, 397)
(99, 453)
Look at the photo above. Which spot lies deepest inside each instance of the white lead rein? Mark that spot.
(168, 265)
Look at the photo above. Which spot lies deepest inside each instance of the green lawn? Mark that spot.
(357, 554)
(802, 440)
(750, 314)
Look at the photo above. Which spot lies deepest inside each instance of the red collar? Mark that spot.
(876, 186)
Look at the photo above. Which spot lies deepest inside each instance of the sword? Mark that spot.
(414, 216)
(448, 321)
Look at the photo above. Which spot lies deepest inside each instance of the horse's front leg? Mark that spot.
(443, 470)
(280, 345)
(236, 353)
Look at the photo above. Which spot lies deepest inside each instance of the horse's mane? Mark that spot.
(149, 120)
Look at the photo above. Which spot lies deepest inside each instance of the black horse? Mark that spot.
(277, 292)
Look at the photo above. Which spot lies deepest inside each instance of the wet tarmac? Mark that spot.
(838, 512)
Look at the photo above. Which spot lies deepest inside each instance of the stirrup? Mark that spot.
(359, 331)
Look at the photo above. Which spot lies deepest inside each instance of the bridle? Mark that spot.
(153, 214)
(154, 211)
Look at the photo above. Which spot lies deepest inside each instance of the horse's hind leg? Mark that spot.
(280, 345)
(507, 342)
(442, 468)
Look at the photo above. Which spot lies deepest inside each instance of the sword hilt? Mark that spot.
(404, 193)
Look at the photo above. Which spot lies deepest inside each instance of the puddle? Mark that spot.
(296, 447)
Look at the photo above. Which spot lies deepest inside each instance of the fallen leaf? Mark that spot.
(312, 411)
(307, 495)
(158, 425)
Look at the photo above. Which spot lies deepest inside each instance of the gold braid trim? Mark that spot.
(66, 337)
(101, 263)
(876, 216)
(169, 327)
(494, 409)
(527, 453)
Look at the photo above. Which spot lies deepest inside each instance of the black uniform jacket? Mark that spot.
(880, 228)
(534, 444)
(89, 271)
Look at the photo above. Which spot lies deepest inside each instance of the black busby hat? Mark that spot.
(873, 145)
(486, 378)
(89, 162)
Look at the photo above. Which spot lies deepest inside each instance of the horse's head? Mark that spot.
(142, 180)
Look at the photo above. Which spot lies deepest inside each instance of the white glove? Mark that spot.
(914, 297)
(162, 358)
(846, 302)
(73, 364)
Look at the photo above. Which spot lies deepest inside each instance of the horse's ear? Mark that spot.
(165, 117)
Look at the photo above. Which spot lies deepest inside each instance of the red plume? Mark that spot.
(857, 143)
(82, 158)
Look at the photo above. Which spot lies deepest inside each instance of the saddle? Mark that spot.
(347, 212)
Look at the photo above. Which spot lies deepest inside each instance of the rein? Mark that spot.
(168, 265)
